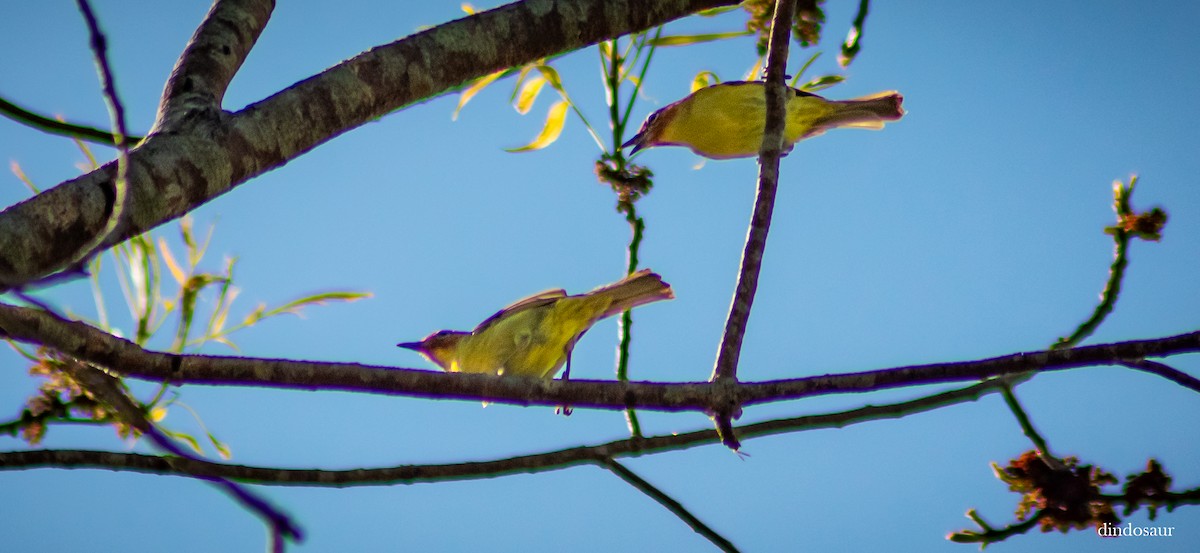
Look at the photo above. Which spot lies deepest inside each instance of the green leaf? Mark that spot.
(187, 438)
(821, 83)
(551, 75)
(294, 306)
(555, 119)
(683, 40)
(713, 12)
(470, 92)
(704, 79)
(222, 449)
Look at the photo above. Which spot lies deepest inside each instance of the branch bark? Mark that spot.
(90, 344)
(199, 152)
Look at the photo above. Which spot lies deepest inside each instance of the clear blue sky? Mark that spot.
(970, 229)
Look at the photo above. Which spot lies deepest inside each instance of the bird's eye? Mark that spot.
(651, 119)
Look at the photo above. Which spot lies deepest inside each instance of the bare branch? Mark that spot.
(1166, 371)
(89, 344)
(760, 222)
(541, 462)
(108, 390)
(670, 503)
(212, 57)
(119, 186)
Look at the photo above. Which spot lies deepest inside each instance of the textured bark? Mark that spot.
(196, 151)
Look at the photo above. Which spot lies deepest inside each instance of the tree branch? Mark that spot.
(670, 503)
(212, 57)
(108, 390)
(760, 222)
(173, 172)
(535, 463)
(89, 344)
(46, 124)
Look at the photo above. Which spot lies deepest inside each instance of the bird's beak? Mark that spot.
(415, 346)
(636, 142)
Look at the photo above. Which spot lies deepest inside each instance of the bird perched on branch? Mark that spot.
(726, 121)
(535, 336)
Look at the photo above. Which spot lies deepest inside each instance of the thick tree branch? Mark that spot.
(171, 173)
(89, 344)
(212, 57)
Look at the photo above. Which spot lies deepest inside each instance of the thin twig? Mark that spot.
(1043, 449)
(1166, 371)
(726, 365)
(541, 462)
(670, 503)
(108, 390)
(53, 126)
(637, 227)
(120, 182)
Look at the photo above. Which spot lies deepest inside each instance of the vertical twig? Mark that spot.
(760, 222)
(116, 110)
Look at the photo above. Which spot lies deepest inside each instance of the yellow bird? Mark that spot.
(535, 336)
(726, 121)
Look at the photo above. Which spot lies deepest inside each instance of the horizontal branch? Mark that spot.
(90, 344)
(540, 462)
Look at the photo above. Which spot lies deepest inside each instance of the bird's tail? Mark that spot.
(869, 112)
(636, 289)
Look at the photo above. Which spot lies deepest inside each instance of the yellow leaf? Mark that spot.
(468, 8)
(550, 131)
(528, 94)
(470, 92)
(169, 259)
(158, 413)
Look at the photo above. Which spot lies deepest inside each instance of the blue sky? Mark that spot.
(969, 229)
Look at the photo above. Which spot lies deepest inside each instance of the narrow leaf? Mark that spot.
(683, 40)
(821, 83)
(555, 120)
(470, 92)
(551, 75)
(295, 305)
(169, 259)
(528, 94)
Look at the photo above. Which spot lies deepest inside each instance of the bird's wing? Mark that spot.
(536, 300)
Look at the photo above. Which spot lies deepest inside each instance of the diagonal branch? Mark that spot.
(53, 126)
(108, 390)
(90, 344)
(760, 222)
(212, 57)
(173, 172)
(670, 503)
